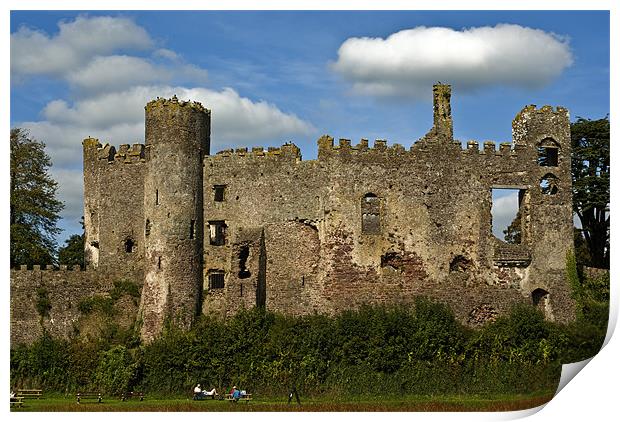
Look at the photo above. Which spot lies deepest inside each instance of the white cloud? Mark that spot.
(70, 192)
(116, 73)
(166, 54)
(118, 117)
(504, 210)
(109, 91)
(408, 62)
(77, 42)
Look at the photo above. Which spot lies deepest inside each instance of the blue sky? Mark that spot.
(272, 77)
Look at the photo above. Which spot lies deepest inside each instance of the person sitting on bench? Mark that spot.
(211, 393)
(199, 393)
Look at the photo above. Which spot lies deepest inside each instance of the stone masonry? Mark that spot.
(212, 234)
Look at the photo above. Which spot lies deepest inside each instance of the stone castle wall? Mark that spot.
(63, 290)
(360, 224)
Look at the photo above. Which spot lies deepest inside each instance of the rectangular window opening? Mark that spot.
(216, 280)
(371, 214)
(548, 156)
(156, 196)
(219, 192)
(217, 233)
(506, 214)
(192, 228)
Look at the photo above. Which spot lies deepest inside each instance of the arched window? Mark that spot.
(548, 153)
(371, 214)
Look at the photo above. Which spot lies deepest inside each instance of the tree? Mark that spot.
(34, 207)
(590, 171)
(73, 251)
(512, 234)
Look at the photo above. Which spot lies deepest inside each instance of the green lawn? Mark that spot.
(322, 404)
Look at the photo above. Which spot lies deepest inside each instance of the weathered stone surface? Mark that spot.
(360, 224)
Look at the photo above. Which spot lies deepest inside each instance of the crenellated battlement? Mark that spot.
(175, 102)
(381, 148)
(125, 154)
(286, 151)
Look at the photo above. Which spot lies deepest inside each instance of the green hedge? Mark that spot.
(373, 350)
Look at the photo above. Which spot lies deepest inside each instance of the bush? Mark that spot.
(116, 371)
(374, 350)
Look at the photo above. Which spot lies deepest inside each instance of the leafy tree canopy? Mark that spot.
(590, 171)
(73, 251)
(34, 207)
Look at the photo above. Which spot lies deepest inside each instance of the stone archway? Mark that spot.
(541, 300)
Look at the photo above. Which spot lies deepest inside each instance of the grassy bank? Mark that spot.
(414, 403)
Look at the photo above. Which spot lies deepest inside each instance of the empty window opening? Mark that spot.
(392, 260)
(244, 253)
(216, 280)
(147, 227)
(129, 245)
(506, 212)
(460, 264)
(192, 228)
(371, 214)
(548, 153)
(549, 184)
(217, 233)
(94, 244)
(156, 196)
(241, 290)
(218, 191)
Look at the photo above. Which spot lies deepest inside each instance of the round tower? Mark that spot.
(176, 139)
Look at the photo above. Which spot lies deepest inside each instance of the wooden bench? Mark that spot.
(29, 394)
(132, 394)
(245, 397)
(89, 396)
(17, 401)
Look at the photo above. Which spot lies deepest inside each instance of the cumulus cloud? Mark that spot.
(34, 52)
(108, 73)
(70, 192)
(407, 62)
(109, 91)
(118, 117)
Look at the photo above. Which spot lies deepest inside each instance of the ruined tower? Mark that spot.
(176, 140)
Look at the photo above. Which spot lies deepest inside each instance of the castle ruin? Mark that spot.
(210, 234)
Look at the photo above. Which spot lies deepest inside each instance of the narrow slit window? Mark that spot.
(219, 191)
(159, 263)
(216, 280)
(192, 228)
(147, 227)
(244, 253)
(217, 233)
(156, 196)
